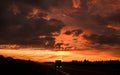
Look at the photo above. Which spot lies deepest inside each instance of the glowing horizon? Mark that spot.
(82, 29)
(52, 55)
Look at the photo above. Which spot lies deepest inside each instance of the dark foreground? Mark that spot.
(10, 66)
(93, 68)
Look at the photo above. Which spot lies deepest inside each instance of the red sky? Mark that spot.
(75, 25)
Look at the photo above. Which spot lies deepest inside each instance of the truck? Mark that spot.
(58, 64)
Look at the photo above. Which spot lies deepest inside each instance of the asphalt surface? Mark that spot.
(71, 70)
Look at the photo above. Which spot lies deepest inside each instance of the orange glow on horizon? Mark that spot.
(51, 55)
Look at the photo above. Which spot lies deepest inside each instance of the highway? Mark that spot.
(69, 70)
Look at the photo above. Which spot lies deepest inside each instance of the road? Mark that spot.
(70, 70)
(74, 71)
(51, 70)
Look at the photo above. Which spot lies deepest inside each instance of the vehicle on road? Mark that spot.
(58, 64)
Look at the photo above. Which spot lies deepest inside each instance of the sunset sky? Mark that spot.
(82, 28)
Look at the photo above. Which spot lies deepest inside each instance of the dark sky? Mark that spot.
(80, 24)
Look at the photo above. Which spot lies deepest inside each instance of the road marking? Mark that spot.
(65, 73)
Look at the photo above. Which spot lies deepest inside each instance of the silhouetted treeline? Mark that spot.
(111, 66)
(108, 63)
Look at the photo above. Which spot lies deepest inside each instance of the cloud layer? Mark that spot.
(22, 23)
(83, 24)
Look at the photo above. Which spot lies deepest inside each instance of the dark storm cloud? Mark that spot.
(68, 33)
(94, 13)
(45, 4)
(104, 39)
(114, 17)
(94, 18)
(74, 32)
(98, 18)
(84, 4)
(18, 29)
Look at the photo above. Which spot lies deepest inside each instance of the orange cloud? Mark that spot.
(75, 42)
(76, 3)
(116, 27)
(33, 13)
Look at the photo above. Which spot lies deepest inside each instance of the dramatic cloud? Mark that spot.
(74, 32)
(22, 24)
(104, 39)
(76, 3)
(78, 23)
